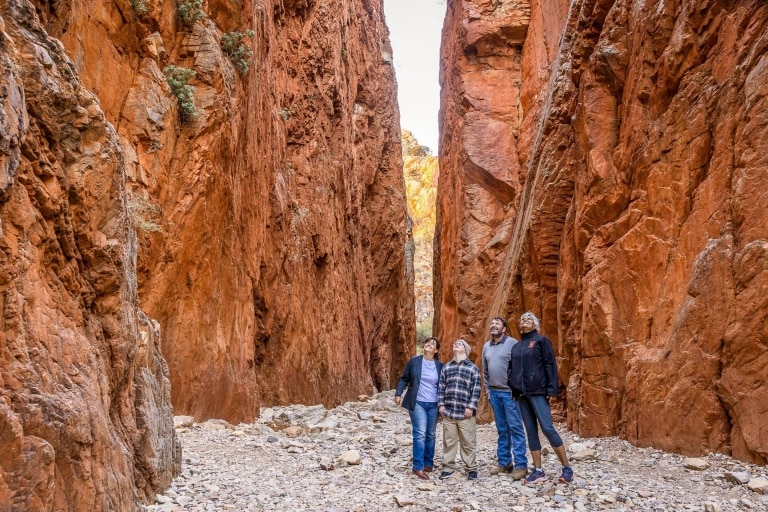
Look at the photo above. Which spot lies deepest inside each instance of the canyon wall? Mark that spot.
(271, 220)
(260, 222)
(626, 207)
(85, 416)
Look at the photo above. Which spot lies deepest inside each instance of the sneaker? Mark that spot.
(446, 474)
(566, 476)
(519, 473)
(536, 477)
(496, 470)
(472, 475)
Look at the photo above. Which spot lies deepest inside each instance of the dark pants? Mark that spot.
(535, 409)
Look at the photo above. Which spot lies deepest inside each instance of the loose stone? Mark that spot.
(287, 461)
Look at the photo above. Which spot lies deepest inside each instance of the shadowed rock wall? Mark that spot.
(639, 233)
(85, 415)
(271, 224)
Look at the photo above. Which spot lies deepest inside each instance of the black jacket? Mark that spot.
(532, 366)
(411, 379)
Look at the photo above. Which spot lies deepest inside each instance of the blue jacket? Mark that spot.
(532, 366)
(411, 379)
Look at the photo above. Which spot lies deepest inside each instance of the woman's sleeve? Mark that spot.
(550, 367)
(405, 378)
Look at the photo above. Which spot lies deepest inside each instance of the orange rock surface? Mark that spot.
(271, 225)
(271, 247)
(85, 416)
(624, 204)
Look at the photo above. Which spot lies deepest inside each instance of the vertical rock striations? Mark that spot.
(480, 119)
(85, 415)
(639, 233)
(271, 219)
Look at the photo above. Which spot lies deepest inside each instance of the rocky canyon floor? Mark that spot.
(356, 457)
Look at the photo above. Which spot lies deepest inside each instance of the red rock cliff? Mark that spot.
(272, 223)
(624, 204)
(85, 415)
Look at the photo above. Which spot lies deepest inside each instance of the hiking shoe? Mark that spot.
(566, 476)
(536, 477)
(472, 475)
(446, 474)
(519, 473)
(496, 470)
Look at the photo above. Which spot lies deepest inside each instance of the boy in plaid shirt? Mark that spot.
(457, 395)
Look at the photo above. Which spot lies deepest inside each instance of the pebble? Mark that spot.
(356, 458)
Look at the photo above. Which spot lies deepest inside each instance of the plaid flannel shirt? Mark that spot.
(459, 388)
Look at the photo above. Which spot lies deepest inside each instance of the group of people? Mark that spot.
(519, 376)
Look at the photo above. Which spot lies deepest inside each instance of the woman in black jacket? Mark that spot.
(532, 376)
(421, 376)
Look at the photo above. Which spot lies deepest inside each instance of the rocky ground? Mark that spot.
(356, 457)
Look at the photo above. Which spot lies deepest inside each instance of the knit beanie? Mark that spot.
(467, 348)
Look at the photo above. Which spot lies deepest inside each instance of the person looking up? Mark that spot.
(457, 395)
(532, 376)
(421, 376)
(506, 411)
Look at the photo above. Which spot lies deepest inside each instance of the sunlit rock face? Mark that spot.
(632, 217)
(85, 415)
(271, 224)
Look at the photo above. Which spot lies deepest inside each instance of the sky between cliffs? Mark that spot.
(414, 30)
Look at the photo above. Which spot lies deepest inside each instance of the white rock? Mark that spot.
(329, 423)
(163, 499)
(586, 454)
(183, 421)
(214, 425)
(695, 464)
(351, 457)
(576, 447)
(738, 477)
(758, 485)
(403, 500)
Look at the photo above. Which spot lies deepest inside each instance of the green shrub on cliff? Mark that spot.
(140, 7)
(178, 78)
(190, 11)
(237, 50)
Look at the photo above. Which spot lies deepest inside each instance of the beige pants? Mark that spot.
(457, 432)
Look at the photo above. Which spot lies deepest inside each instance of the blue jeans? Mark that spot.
(509, 426)
(535, 408)
(423, 425)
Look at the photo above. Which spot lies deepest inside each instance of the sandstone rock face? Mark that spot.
(637, 227)
(85, 416)
(272, 224)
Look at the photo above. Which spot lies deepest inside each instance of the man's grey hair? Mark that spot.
(530, 316)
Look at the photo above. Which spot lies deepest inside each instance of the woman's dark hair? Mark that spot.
(437, 342)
